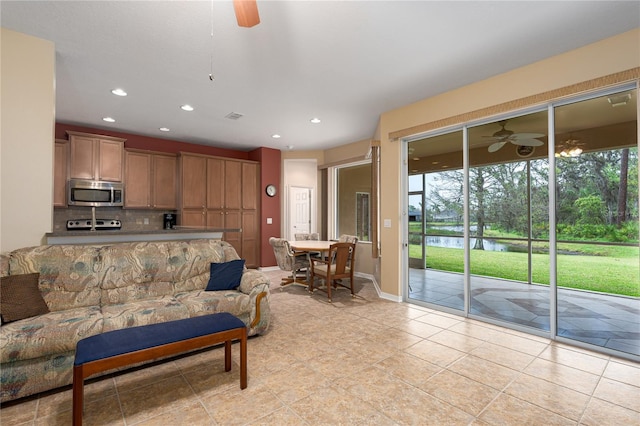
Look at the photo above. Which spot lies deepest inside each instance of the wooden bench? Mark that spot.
(120, 348)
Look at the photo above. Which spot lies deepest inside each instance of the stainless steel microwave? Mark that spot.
(94, 193)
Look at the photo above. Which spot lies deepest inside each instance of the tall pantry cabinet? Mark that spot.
(221, 193)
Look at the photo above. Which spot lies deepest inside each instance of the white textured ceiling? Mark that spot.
(345, 62)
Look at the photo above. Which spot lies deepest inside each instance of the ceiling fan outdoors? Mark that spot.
(246, 13)
(503, 136)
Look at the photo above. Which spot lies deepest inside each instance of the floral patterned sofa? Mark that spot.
(94, 289)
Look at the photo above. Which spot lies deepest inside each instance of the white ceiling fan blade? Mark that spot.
(519, 136)
(527, 142)
(496, 146)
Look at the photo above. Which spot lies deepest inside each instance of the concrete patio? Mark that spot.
(605, 320)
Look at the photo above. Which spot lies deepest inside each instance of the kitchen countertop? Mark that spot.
(178, 230)
(112, 236)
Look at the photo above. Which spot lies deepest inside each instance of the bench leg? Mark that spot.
(243, 359)
(227, 355)
(78, 395)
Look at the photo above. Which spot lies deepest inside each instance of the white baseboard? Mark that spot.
(268, 268)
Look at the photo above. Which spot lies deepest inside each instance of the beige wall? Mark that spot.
(355, 151)
(27, 134)
(603, 58)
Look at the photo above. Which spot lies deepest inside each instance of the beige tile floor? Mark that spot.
(362, 361)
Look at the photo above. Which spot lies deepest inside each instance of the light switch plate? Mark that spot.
(269, 221)
(387, 223)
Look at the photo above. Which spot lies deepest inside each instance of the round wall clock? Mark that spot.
(271, 190)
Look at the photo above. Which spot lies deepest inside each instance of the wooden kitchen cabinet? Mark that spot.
(230, 200)
(193, 218)
(95, 157)
(60, 156)
(137, 182)
(164, 188)
(150, 180)
(193, 182)
(224, 178)
(249, 186)
(250, 238)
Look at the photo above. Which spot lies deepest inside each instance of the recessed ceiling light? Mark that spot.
(315, 120)
(109, 120)
(187, 107)
(119, 92)
(276, 136)
(164, 129)
(415, 158)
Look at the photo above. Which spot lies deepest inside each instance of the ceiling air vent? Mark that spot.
(233, 115)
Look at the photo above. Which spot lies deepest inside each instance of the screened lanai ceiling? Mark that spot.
(574, 120)
(344, 62)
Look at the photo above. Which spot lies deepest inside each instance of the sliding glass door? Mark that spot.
(535, 225)
(435, 220)
(598, 267)
(508, 217)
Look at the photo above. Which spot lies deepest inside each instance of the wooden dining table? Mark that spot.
(311, 245)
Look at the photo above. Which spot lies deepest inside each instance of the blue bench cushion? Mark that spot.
(133, 339)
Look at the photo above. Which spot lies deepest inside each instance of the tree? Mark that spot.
(622, 189)
(476, 178)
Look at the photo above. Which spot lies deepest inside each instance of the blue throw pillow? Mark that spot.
(225, 276)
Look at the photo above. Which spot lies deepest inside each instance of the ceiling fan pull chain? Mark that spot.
(211, 64)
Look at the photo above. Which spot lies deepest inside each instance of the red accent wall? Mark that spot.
(153, 144)
(270, 160)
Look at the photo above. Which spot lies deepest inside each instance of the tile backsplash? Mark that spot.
(132, 220)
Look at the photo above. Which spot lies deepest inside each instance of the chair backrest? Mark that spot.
(283, 252)
(344, 238)
(302, 237)
(342, 258)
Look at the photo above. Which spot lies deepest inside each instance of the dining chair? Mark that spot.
(289, 261)
(345, 238)
(314, 236)
(307, 236)
(339, 264)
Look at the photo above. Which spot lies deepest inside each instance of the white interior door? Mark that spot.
(299, 210)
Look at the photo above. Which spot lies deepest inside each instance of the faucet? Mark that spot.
(93, 218)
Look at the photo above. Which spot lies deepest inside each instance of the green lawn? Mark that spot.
(613, 270)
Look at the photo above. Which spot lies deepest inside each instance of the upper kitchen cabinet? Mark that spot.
(193, 181)
(220, 193)
(164, 188)
(224, 184)
(249, 186)
(60, 156)
(95, 157)
(150, 180)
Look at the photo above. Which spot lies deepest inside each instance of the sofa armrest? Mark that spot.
(252, 278)
(256, 285)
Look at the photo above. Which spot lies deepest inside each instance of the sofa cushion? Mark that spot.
(52, 333)
(203, 302)
(134, 271)
(143, 312)
(191, 261)
(67, 274)
(225, 276)
(20, 297)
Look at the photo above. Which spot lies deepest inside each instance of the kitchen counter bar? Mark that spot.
(117, 236)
